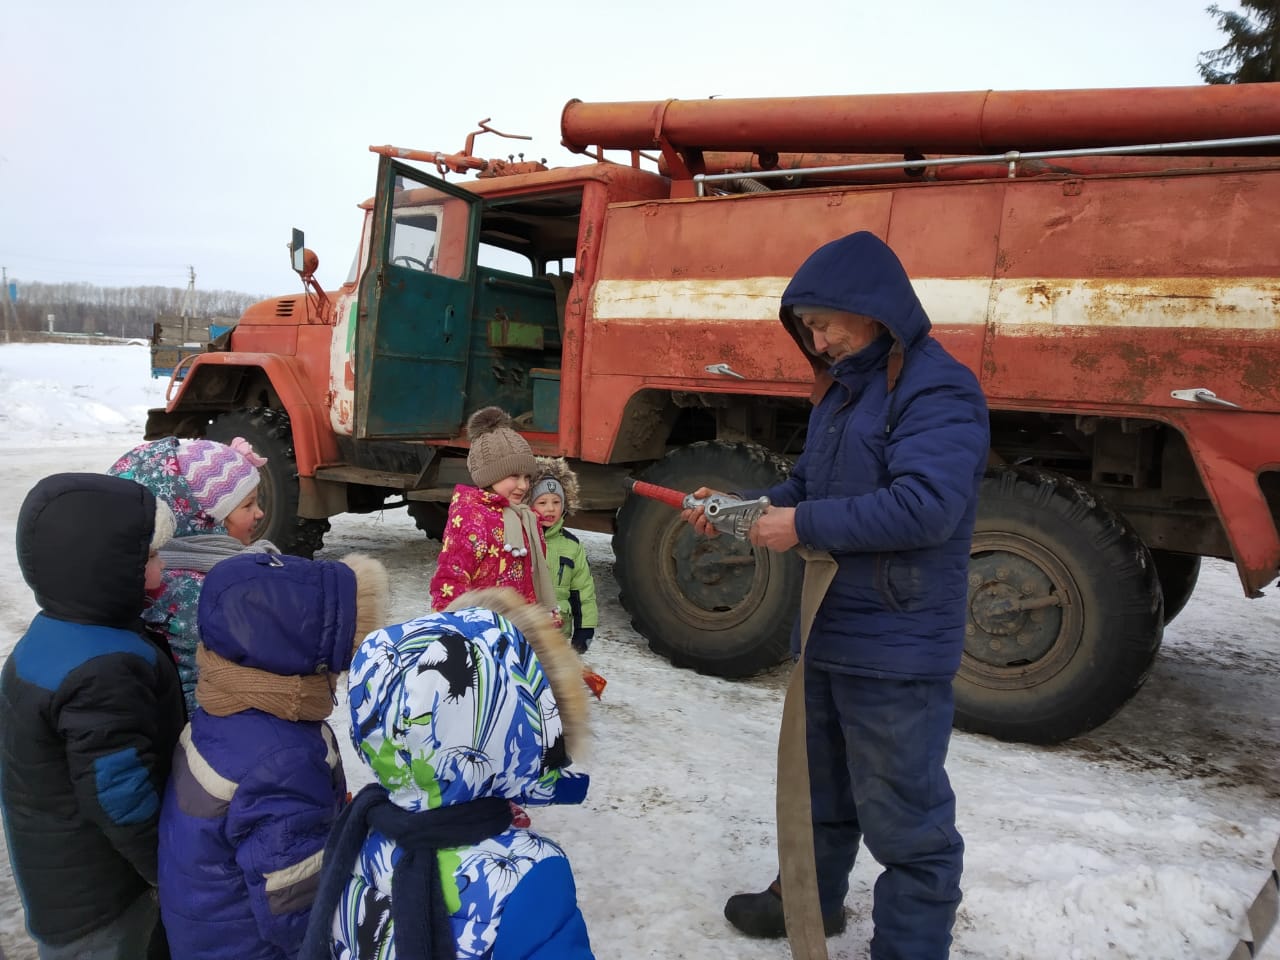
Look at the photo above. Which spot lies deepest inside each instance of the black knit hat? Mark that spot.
(497, 451)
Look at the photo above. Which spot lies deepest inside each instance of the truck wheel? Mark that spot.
(1178, 573)
(719, 606)
(429, 517)
(1065, 614)
(268, 431)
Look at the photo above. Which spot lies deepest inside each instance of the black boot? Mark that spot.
(760, 914)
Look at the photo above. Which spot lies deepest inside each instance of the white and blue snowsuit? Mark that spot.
(456, 714)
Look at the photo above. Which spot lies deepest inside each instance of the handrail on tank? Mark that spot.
(1011, 157)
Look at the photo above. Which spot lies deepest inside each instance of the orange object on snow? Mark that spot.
(595, 683)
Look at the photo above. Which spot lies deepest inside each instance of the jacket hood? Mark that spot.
(558, 469)
(858, 274)
(483, 700)
(155, 466)
(291, 616)
(83, 541)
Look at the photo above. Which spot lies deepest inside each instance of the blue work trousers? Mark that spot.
(877, 750)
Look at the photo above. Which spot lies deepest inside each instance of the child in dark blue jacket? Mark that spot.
(91, 711)
(257, 780)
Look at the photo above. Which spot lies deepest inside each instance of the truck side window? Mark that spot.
(500, 258)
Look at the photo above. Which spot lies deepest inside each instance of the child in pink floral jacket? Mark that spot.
(491, 537)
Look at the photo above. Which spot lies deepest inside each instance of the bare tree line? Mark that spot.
(116, 311)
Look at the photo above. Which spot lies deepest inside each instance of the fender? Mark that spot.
(206, 386)
(1230, 449)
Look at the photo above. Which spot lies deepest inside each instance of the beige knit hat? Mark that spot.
(497, 451)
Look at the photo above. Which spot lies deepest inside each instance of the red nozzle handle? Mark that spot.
(672, 498)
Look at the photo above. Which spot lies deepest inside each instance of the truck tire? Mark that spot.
(717, 605)
(268, 430)
(1178, 573)
(429, 517)
(1065, 611)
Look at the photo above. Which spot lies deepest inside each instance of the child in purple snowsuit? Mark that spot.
(257, 781)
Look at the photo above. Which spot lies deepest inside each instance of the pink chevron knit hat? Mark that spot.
(220, 475)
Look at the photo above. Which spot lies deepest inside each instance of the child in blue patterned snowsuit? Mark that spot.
(460, 714)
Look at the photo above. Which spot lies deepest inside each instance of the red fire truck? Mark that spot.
(1107, 262)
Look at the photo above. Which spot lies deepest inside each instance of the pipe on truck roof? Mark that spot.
(982, 121)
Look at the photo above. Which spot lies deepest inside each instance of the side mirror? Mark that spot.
(297, 248)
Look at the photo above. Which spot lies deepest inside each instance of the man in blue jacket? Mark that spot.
(887, 484)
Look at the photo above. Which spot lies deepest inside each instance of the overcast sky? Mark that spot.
(143, 136)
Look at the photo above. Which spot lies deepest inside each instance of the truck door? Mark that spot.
(415, 307)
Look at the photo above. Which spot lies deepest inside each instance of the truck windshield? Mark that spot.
(414, 235)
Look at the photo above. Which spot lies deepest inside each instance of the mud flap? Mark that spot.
(797, 866)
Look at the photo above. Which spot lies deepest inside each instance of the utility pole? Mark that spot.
(188, 310)
(189, 298)
(10, 321)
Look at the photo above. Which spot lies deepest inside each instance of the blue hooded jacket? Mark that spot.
(253, 795)
(90, 709)
(889, 476)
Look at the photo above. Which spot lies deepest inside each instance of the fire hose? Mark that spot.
(727, 513)
(797, 867)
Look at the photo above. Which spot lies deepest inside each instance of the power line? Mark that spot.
(133, 265)
(101, 279)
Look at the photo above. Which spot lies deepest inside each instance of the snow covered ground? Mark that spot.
(1145, 839)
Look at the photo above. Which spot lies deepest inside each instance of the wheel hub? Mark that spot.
(1015, 614)
(714, 575)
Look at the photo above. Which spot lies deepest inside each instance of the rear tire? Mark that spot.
(268, 431)
(1178, 573)
(1065, 611)
(716, 605)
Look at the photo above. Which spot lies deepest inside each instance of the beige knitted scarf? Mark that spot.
(521, 531)
(224, 688)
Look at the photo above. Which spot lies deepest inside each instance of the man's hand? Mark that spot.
(775, 530)
(697, 516)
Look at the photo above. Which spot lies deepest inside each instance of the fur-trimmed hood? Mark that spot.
(558, 659)
(483, 699)
(558, 469)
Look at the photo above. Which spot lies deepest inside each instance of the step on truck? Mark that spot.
(1106, 261)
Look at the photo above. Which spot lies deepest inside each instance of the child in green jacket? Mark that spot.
(553, 495)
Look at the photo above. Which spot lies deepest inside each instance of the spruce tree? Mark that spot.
(1252, 51)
